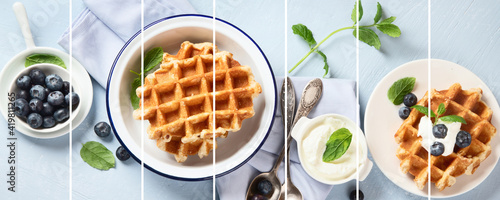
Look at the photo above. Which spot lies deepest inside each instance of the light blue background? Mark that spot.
(464, 31)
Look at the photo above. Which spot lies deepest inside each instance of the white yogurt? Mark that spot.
(425, 131)
(314, 144)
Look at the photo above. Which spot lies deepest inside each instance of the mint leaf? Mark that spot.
(337, 145)
(441, 109)
(152, 58)
(400, 88)
(134, 99)
(326, 67)
(353, 13)
(379, 13)
(305, 33)
(388, 20)
(453, 118)
(424, 110)
(43, 58)
(389, 29)
(369, 37)
(97, 155)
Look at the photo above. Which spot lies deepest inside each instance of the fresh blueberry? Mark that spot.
(410, 100)
(61, 114)
(437, 148)
(49, 122)
(35, 120)
(21, 108)
(37, 77)
(65, 89)
(23, 82)
(258, 197)
(75, 99)
(404, 112)
(23, 94)
(352, 195)
(55, 98)
(54, 82)
(440, 131)
(463, 139)
(102, 129)
(122, 154)
(36, 105)
(47, 109)
(38, 92)
(264, 187)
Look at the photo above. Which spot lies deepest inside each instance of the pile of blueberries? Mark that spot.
(43, 101)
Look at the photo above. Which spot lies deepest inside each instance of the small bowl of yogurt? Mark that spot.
(312, 135)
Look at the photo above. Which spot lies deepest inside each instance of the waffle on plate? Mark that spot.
(178, 99)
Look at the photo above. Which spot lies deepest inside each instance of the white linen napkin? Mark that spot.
(101, 30)
(339, 96)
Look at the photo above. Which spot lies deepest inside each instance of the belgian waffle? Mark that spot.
(178, 99)
(445, 169)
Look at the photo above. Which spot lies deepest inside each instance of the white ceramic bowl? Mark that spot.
(305, 125)
(168, 33)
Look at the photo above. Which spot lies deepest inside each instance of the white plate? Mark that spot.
(382, 121)
(81, 81)
(169, 33)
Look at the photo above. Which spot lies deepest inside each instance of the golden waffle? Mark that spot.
(464, 103)
(178, 99)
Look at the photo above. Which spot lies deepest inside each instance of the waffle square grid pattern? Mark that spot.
(445, 169)
(178, 99)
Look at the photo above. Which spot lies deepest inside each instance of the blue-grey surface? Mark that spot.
(464, 31)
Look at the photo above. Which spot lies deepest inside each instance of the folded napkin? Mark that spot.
(339, 96)
(101, 30)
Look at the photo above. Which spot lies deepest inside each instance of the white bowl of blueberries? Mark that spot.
(45, 100)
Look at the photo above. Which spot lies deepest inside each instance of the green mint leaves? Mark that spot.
(97, 155)
(400, 88)
(43, 58)
(306, 34)
(441, 110)
(152, 58)
(337, 145)
(366, 34)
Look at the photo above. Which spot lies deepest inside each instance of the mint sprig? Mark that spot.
(97, 155)
(441, 110)
(43, 58)
(366, 34)
(337, 144)
(400, 88)
(152, 58)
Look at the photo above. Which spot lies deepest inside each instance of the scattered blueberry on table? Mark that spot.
(102, 129)
(122, 154)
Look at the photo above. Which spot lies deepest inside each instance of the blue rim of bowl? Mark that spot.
(147, 166)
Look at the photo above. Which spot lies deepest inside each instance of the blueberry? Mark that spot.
(49, 122)
(23, 94)
(352, 195)
(122, 154)
(47, 92)
(264, 187)
(437, 148)
(404, 112)
(440, 131)
(65, 89)
(37, 77)
(21, 108)
(36, 105)
(38, 92)
(410, 100)
(463, 139)
(75, 99)
(55, 98)
(61, 114)
(259, 197)
(102, 129)
(47, 109)
(23, 82)
(35, 120)
(54, 82)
